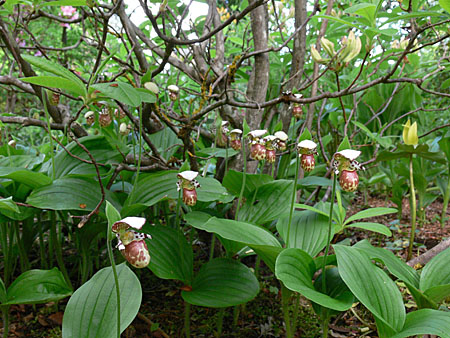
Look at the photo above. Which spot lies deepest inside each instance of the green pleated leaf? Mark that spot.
(436, 271)
(238, 231)
(101, 150)
(268, 254)
(92, 309)
(7, 204)
(38, 286)
(314, 181)
(30, 178)
(373, 287)
(57, 69)
(295, 268)
(165, 140)
(70, 194)
(22, 161)
(372, 212)
(308, 231)
(271, 201)
(120, 91)
(217, 152)
(233, 182)
(65, 3)
(375, 227)
(426, 321)
(56, 82)
(438, 293)
(222, 282)
(171, 254)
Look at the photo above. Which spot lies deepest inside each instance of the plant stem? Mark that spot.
(285, 307)
(257, 264)
(226, 159)
(116, 279)
(333, 196)
(412, 207)
(294, 195)
(236, 311)
(244, 177)
(273, 170)
(57, 248)
(187, 319)
(5, 316)
(24, 262)
(325, 327)
(49, 131)
(295, 314)
(220, 321)
(213, 244)
(41, 242)
(177, 219)
(446, 200)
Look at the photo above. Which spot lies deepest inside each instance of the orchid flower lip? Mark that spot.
(188, 175)
(349, 154)
(307, 144)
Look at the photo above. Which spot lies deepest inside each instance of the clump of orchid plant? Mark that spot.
(257, 148)
(132, 243)
(188, 184)
(297, 108)
(281, 139)
(173, 92)
(307, 149)
(345, 164)
(235, 136)
(270, 142)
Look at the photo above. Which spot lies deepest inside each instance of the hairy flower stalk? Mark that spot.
(188, 184)
(307, 149)
(257, 148)
(132, 243)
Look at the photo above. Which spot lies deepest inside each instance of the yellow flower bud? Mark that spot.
(410, 133)
(328, 46)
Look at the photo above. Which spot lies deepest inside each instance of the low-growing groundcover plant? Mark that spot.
(197, 152)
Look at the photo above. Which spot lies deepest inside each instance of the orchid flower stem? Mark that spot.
(177, 219)
(57, 248)
(116, 279)
(244, 177)
(446, 200)
(213, 244)
(327, 248)
(236, 312)
(226, 160)
(325, 323)
(5, 313)
(49, 131)
(220, 321)
(412, 207)
(187, 319)
(285, 295)
(294, 195)
(273, 171)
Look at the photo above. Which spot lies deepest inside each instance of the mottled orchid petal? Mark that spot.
(136, 253)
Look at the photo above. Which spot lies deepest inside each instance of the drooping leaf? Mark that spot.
(233, 182)
(222, 282)
(92, 309)
(435, 277)
(374, 289)
(308, 231)
(38, 286)
(30, 178)
(372, 212)
(56, 82)
(375, 227)
(295, 268)
(426, 321)
(170, 254)
(8, 204)
(120, 91)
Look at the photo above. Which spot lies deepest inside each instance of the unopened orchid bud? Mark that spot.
(348, 180)
(328, 46)
(410, 134)
(173, 92)
(316, 56)
(123, 129)
(90, 117)
(53, 97)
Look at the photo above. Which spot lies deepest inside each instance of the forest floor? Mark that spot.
(162, 310)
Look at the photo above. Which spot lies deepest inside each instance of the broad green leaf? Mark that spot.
(314, 181)
(55, 68)
(70, 194)
(271, 201)
(56, 82)
(165, 140)
(374, 289)
(366, 10)
(438, 293)
(217, 152)
(120, 91)
(171, 255)
(112, 215)
(8, 204)
(426, 321)
(295, 268)
(445, 4)
(436, 272)
(375, 227)
(238, 231)
(100, 149)
(333, 18)
(222, 282)
(408, 16)
(310, 208)
(30, 178)
(22, 161)
(345, 144)
(147, 96)
(372, 212)
(268, 254)
(233, 182)
(308, 231)
(38, 286)
(92, 309)
(73, 3)
(444, 144)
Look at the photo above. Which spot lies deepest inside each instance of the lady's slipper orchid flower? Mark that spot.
(410, 134)
(189, 184)
(222, 137)
(105, 118)
(297, 108)
(281, 137)
(270, 144)
(344, 163)
(173, 92)
(257, 148)
(90, 117)
(307, 150)
(132, 243)
(235, 136)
